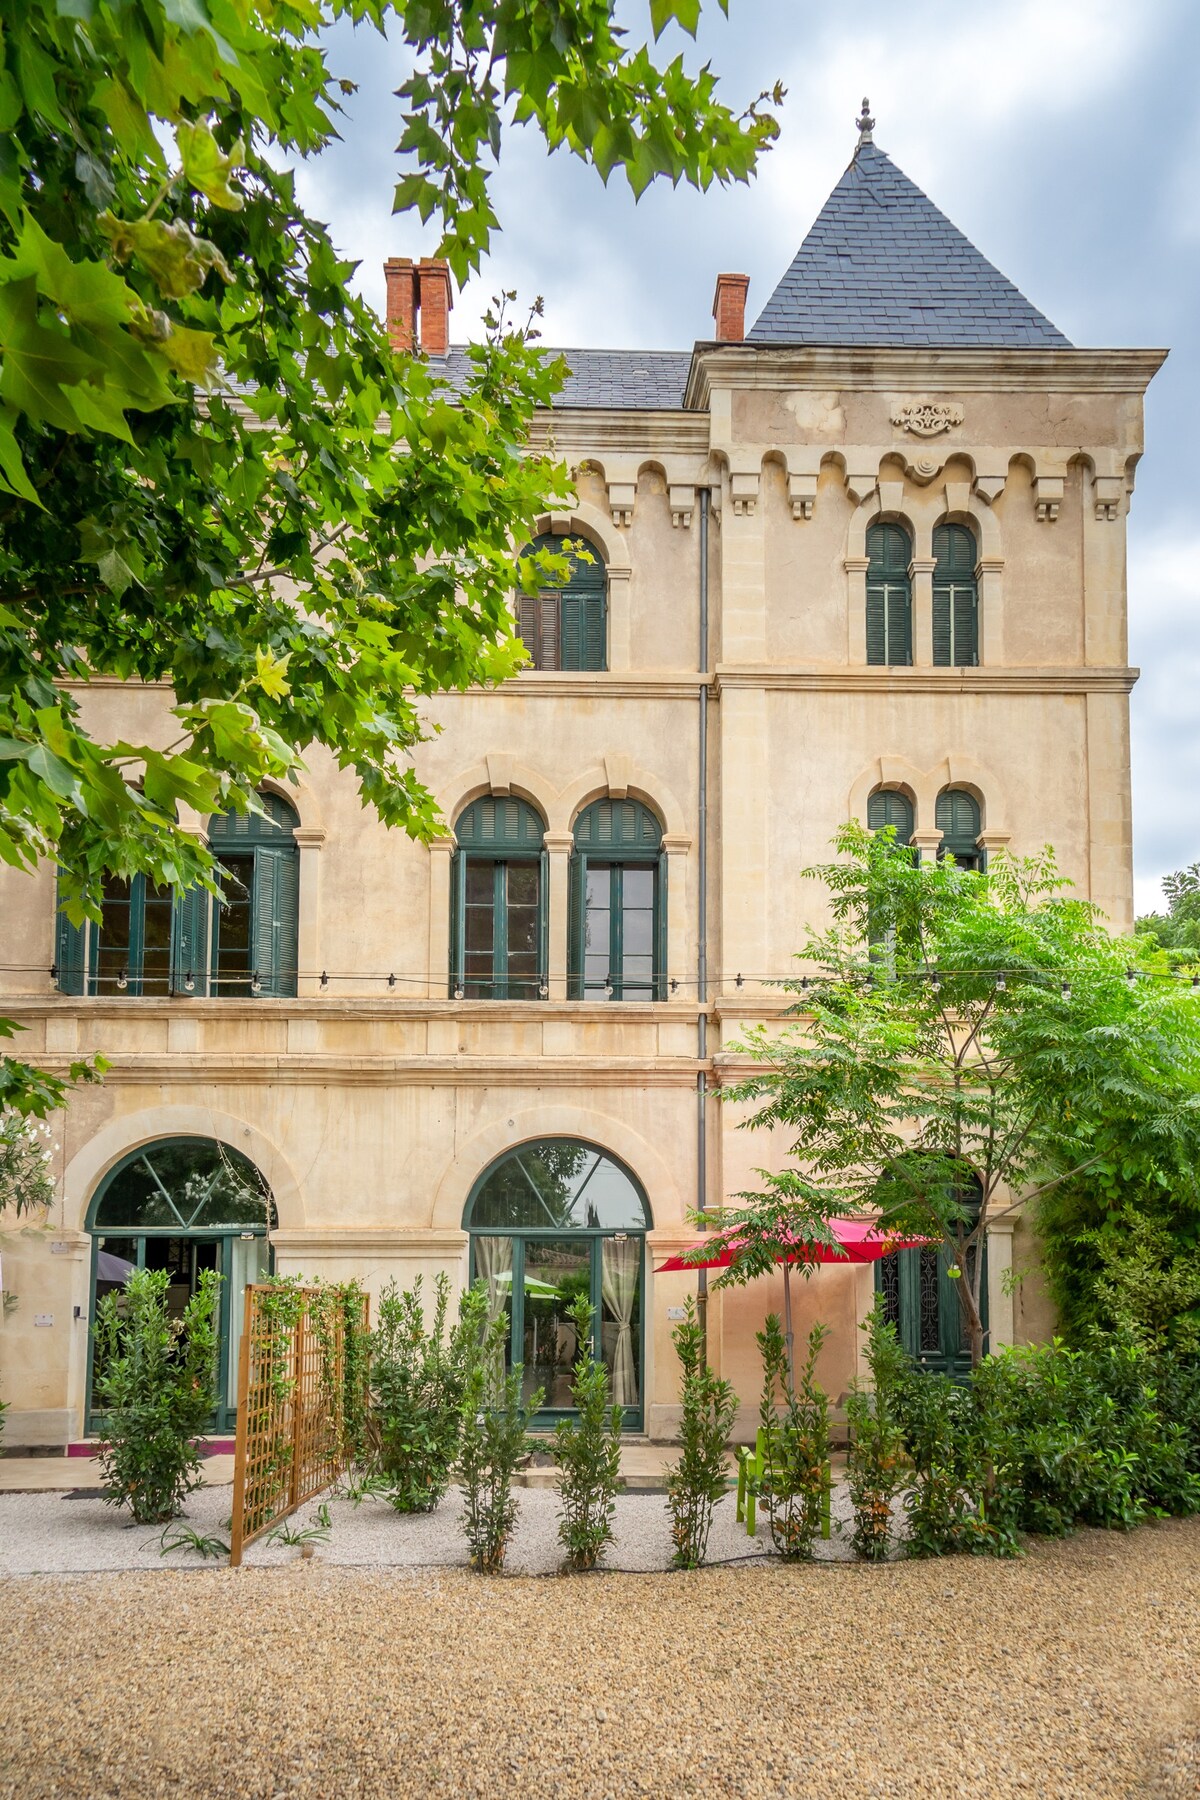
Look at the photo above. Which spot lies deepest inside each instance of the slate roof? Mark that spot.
(882, 266)
(626, 380)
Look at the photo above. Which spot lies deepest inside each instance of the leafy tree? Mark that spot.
(1177, 931)
(215, 473)
(955, 1024)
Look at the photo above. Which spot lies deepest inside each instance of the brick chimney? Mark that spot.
(401, 280)
(729, 307)
(433, 299)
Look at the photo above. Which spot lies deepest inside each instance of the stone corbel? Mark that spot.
(683, 501)
(858, 486)
(743, 484)
(1109, 492)
(926, 844)
(620, 501)
(618, 769)
(958, 496)
(891, 496)
(499, 768)
(803, 473)
(1048, 497)
(990, 487)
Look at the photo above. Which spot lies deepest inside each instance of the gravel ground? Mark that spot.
(1069, 1673)
(67, 1533)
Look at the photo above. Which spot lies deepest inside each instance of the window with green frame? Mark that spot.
(957, 818)
(566, 627)
(921, 1300)
(156, 941)
(617, 945)
(256, 922)
(889, 595)
(498, 901)
(888, 806)
(955, 598)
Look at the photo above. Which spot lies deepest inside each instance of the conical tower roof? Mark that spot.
(882, 266)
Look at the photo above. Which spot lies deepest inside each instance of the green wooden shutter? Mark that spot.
(876, 627)
(966, 628)
(943, 642)
(577, 887)
(527, 626)
(595, 632)
(900, 626)
(543, 974)
(573, 626)
(70, 952)
(887, 807)
(276, 919)
(458, 932)
(189, 940)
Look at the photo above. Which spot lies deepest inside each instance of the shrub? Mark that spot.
(795, 1422)
(697, 1481)
(588, 1453)
(950, 1464)
(875, 1465)
(418, 1380)
(156, 1381)
(494, 1437)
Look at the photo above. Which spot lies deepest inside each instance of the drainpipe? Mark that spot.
(702, 933)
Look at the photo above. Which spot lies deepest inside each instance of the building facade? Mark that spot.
(865, 560)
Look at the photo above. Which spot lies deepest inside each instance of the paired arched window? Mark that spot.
(955, 598)
(566, 627)
(618, 892)
(887, 806)
(889, 595)
(957, 818)
(153, 940)
(498, 892)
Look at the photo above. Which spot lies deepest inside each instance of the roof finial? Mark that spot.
(865, 123)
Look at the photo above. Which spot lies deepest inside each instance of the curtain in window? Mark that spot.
(494, 1265)
(620, 1271)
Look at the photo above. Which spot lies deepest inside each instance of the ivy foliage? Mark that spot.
(963, 1039)
(215, 473)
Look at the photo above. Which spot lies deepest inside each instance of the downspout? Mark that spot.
(702, 932)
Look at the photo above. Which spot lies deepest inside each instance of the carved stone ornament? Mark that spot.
(927, 418)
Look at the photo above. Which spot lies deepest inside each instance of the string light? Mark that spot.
(189, 983)
(123, 980)
(1001, 984)
(1066, 990)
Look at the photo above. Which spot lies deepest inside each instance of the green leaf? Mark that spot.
(206, 168)
(178, 260)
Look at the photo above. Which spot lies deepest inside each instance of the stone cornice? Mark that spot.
(165, 1070)
(882, 370)
(574, 430)
(928, 681)
(626, 684)
(359, 1009)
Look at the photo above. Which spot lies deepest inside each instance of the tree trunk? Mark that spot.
(787, 1329)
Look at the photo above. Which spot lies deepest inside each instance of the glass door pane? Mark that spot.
(558, 1271)
(494, 1266)
(522, 915)
(621, 1316)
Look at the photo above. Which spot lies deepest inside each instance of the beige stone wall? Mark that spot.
(372, 1110)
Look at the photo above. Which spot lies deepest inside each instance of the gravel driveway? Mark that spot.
(1071, 1672)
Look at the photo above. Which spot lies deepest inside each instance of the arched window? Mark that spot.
(565, 627)
(886, 806)
(498, 893)
(552, 1222)
(889, 595)
(957, 818)
(920, 1298)
(955, 598)
(185, 1205)
(618, 904)
(256, 923)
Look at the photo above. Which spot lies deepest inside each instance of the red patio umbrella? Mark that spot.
(859, 1241)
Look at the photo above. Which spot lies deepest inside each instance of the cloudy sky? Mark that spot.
(1062, 136)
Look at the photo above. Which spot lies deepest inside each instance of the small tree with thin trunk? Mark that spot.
(961, 1043)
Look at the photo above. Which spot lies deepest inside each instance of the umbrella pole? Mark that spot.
(787, 1328)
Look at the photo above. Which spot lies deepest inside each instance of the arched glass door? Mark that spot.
(183, 1205)
(550, 1221)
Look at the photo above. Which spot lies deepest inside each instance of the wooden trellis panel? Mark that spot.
(291, 1441)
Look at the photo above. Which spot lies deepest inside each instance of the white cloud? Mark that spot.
(1164, 619)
